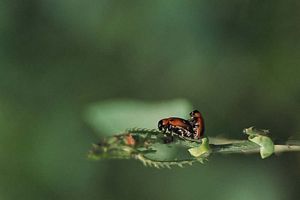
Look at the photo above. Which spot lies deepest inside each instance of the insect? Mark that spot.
(177, 126)
(197, 122)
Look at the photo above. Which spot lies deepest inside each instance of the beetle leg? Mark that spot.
(168, 139)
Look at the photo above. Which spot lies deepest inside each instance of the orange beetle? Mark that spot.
(197, 123)
(176, 125)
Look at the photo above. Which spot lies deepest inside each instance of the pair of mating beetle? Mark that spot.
(192, 128)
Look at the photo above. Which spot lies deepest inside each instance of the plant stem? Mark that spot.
(143, 144)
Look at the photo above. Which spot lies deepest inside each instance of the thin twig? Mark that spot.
(141, 143)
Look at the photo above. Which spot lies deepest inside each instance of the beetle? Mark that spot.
(197, 122)
(177, 126)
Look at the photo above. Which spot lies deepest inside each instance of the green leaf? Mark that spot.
(202, 149)
(260, 137)
(167, 152)
(265, 143)
(111, 117)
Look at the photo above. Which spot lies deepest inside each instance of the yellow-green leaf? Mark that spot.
(200, 150)
(265, 143)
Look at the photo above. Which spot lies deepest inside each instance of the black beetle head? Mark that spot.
(194, 112)
(160, 125)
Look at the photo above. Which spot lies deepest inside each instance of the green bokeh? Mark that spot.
(235, 61)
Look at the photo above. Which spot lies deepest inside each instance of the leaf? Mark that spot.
(111, 117)
(260, 137)
(203, 149)
(166, 152)
(265, 143)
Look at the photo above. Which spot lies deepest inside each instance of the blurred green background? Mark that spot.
(236, 61)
